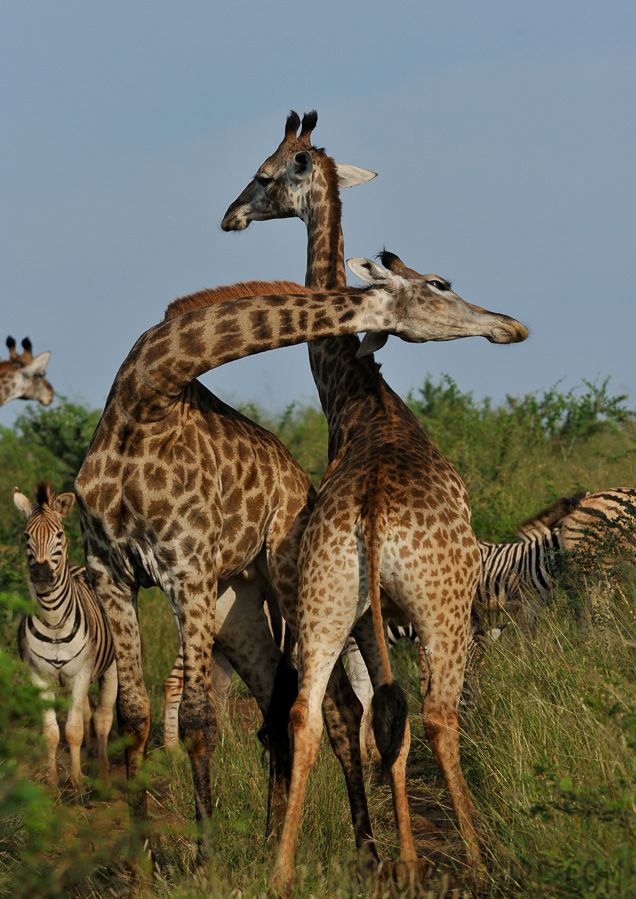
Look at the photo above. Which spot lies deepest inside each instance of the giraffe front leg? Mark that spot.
(197, 716)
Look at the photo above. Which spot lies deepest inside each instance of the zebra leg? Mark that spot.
(103, 718)
(87, 715)
(50, 729)
(173, 685)
(75, 726)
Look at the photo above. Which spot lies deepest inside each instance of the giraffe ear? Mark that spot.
(64, 503)
(351, 175)
(300, 166)
(22, 503)
(37, 366)
(369, 271)
(371, 342)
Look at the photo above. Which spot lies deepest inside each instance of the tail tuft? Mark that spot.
(390, 710)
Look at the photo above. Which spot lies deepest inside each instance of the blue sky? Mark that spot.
(503, 134)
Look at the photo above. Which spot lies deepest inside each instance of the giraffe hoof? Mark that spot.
(281, 887)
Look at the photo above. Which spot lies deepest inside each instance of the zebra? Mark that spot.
(67, 642)
(515, 578)
(588, 533)
(597, 538)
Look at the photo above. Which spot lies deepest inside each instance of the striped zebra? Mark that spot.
(67, 642)
(589, 534)
(515, 578)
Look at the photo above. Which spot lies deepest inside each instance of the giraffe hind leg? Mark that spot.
(343, 717)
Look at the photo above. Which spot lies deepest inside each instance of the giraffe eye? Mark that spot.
(440, 285)
(264, 180)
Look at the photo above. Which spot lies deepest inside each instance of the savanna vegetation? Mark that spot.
(549, 733)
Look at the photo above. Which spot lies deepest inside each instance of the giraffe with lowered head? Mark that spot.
(392, 516)
(155, 491)
(22, 375)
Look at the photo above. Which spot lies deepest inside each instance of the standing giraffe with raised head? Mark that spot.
(22, 375)
(392, 514)
(159, 506)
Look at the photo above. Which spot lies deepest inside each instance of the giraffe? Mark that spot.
(158, 504)
(22, 375)
(391, 513)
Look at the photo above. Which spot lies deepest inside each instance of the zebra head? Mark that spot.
(47, 553)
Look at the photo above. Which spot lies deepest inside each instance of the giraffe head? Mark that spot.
(44, 531)
(22, 375)
(426, 308)
(280, 186)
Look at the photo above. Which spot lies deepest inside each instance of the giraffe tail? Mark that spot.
(389, 707)
(389, 711)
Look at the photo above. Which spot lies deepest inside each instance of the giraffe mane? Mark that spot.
(211, 296)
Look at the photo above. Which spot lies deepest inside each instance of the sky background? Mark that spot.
(503, 134)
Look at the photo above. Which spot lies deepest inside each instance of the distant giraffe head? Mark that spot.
(22, 375)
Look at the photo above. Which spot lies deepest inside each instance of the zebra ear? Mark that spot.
(64, 503)
(22, 503)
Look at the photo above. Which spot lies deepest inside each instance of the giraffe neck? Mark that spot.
(8, 383)
(167, 358)
(350, 389)
(322, 212)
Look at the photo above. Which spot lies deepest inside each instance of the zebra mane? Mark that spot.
(553, 514)
(45, 493)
